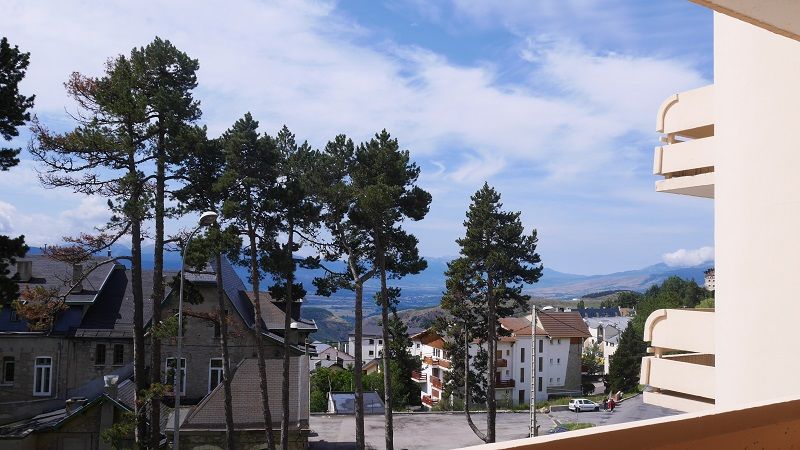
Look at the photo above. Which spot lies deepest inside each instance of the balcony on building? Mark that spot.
(680, 374)
(436, 362)
(419, 377)
(686, 158)
(436, 382)
(504, 384)
(501, 363)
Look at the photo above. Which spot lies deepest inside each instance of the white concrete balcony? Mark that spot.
(772, 424)
(686, 161)
(685, 380)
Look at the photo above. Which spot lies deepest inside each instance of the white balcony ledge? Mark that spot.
(689, 114)
(701, 185)
(678, 374)
(689, 330)
(770, 424)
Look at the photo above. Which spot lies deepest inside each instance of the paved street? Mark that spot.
(447, 431)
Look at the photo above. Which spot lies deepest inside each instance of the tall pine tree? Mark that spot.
(13, 105)
(496, 259)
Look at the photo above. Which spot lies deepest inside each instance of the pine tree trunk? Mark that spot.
(387, 379)
(138, 332)
(158, 294)
(262, 369)
(226, 360)
(491, 402)
(359, 362)
(287, 321)
(467, 392)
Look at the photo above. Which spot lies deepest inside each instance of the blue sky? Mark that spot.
(553, 102)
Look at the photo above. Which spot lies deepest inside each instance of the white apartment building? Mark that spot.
(328, 356)
(560, 337)
(371, 343)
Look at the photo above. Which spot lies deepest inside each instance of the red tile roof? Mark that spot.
(564, 324)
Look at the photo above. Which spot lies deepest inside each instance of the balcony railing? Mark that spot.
(773, 424)
(686, 161)
(419, 377)
(429, 401)
(436, 362)
(436, 382)
(682, 381)
(504, 384)
(502, 362)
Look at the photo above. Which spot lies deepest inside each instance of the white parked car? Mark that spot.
(583, 404)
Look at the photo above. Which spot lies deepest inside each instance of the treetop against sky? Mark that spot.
(552, 102)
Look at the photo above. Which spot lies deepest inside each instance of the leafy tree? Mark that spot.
(626, 362)
(623, 299)
(167, 77)
(674, 292)
(104, 155)
(386, 180)
(500, 259)
(249, 179)
(706, 303)
(592, 359)
(13, 105)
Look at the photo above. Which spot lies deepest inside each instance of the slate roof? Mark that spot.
(618, 322)
(371, 330)
(209, 414)
(345, 402)
(558, 324)
(598, 312)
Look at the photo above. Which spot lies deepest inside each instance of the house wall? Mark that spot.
(368, 350)
(200, 345)
(756, 210)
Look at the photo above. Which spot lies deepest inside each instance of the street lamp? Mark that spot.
(206, 219)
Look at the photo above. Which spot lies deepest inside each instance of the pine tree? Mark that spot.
(13, 105)
(296, 213)
(626, 363)
(249, 179)
(498, 258)
(104, 155)
(167, 77)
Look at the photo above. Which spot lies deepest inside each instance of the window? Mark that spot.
(42, 370)
(169, 373)
(541, 346)
(521, 374)
(558, 360)
(372, 342)
(371, 353)
(558, 380)
(551, 360)
(328, 357)
(558, 341)
(437, 352)
(380, 341)
(521, 396)
(522, 354)
(214, 373)
(217, 330)
(540, 384)
(508, 352)
(417, 344)
(551, 379)
(100, 355)
(541, 362)
(8, 370)
(119, 354)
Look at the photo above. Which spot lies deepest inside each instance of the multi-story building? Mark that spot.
(371, 342)
(428, 346)
(559, 335)
(328, 356)
(709, 279)
(93, 335)
(734, 142)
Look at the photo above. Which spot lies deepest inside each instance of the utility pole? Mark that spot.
(533, 427)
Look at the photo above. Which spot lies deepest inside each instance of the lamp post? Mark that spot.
(206, 219)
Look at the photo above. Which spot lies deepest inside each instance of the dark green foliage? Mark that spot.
(13, 106)
(10, 250)
(623, 299)
(627, 361)
(485, 283)
(592, 359)
(581, 304)
(674, 292)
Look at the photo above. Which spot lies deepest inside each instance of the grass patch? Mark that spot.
(577, 426)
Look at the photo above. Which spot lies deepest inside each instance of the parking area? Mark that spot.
(447, 431)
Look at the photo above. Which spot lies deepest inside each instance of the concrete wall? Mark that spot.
(757, 214)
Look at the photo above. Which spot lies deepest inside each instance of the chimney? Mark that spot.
(73, 404)
(77, 274)
(24, 271)
(110, 388)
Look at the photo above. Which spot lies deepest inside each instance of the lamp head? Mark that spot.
(207, 218)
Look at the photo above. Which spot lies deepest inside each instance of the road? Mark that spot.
(447, 431)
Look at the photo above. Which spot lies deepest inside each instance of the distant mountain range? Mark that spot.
(424, 289)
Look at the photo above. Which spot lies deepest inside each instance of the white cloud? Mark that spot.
(689, 258)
